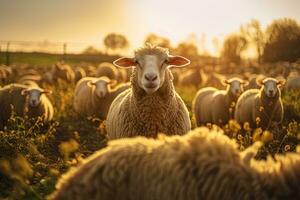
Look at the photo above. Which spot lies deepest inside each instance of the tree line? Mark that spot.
(280, 41)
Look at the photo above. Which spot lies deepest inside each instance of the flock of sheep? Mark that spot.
(193, 164)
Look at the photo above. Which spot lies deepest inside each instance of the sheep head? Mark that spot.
(34, 95)
(151, 63)
(101, 85)
(270, 86)
(235, 86)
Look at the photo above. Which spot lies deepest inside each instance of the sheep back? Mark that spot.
(199, 165)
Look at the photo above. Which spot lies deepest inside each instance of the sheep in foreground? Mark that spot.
(200, 165)
(151, 105)
(211, 105)
(261, 107)
(24, 100)
(93, 96)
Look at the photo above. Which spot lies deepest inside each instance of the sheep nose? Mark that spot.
(237, 90)
(150, 77)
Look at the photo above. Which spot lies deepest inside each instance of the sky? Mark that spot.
(80, 23)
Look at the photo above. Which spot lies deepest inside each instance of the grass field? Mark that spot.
(33, 155)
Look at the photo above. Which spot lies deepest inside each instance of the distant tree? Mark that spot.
(282, 41)
(254, 34)
(233, 47)
(158, 40)
(186, 49)
(115, 41)
(90, 50)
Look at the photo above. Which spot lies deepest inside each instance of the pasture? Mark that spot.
(35, 154)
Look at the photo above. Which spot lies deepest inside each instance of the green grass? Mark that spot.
(35, 58)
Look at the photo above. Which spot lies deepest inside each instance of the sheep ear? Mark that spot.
(260, 81)
(45, 91)
(225, 82)
(178, 61)
(124, 62)
(90, 83)
(281, 82)
(112, 82)
(24, 92)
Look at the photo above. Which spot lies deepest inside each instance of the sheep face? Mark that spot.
(34, 95)
(101, 86)
(151, 64)
(235, 86)
(271, 86)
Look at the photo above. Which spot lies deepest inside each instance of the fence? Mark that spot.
(59, 50)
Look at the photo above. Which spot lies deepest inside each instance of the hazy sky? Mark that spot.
(83, 22)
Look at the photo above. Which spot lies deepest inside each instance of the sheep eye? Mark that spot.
(165, 62)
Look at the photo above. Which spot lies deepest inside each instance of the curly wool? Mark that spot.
(134, 112)
(200, 165)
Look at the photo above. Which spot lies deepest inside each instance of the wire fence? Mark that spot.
(62, 49)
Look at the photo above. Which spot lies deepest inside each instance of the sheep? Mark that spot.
(151, 105)
(202, 164)
(91, 71)
(211, 105)
(79, 74)
(108, 70)
(261, 107)
(63, 72)
(24, 100)
(38, 79)
(93, 96)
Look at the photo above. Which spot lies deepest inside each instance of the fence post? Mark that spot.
(7, 54)
(65, 51)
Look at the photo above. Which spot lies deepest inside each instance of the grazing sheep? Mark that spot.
(108, 70)
(63, 72)
(91, 71)
(151, 105)
(217, 106)
(200, 165)
(261, 107)
(79, 74)
(193, 77)
(93, 96)
(25, 100)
